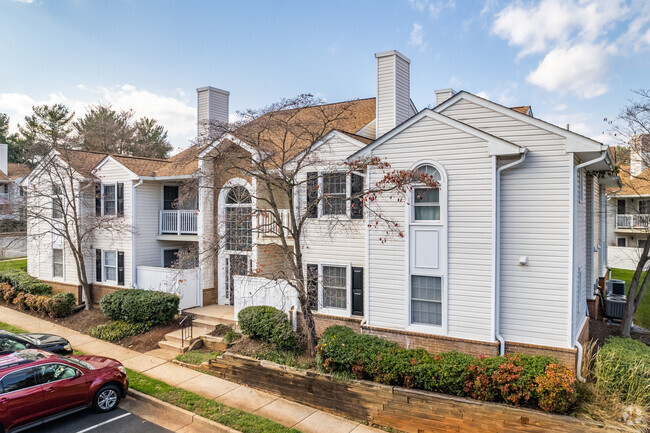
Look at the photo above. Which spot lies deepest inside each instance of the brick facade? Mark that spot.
(209, 296)
(58, 287)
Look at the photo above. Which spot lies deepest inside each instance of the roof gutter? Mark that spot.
(182, 176)
(496, 229)
(574, 337)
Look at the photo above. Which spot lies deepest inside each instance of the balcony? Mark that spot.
(267, 226)
(178, 223)
(636, 221)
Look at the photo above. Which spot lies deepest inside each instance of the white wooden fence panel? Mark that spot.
(181, 282)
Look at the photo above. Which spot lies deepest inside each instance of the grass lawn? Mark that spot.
(197, 357)
(10, 328)
(642, 316)
(237, 419)
(11, 265)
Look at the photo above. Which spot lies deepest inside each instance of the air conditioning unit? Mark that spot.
(615, 307)
(615, 287)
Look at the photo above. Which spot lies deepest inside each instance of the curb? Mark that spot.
(169, 416)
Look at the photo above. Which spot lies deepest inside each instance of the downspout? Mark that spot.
(134, 273)
(576, 343)
(497, 248)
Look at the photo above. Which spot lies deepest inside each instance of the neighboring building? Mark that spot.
(145, 231)
(11, 195)
(628, 211)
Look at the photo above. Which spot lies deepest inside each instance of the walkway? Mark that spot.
(285, 412)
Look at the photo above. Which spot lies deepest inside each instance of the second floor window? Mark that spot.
(109, 200)
(57, 206)
(334, 193)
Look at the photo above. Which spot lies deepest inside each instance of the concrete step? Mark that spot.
(172, 347)
(197, 331)
(212, 322)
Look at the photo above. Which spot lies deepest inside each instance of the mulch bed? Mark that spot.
(600, 330)
(82, 320)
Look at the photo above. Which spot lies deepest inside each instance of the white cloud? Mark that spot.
(580, 70)
(176, 115)
(417, 37)
(434, 8)
(581, 37)
(24, 1)
(455, 81)
(560, 107)
(483, 94)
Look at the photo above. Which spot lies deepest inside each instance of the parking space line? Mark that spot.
(105, 422)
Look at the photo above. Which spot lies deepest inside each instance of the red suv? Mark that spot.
(38, 386)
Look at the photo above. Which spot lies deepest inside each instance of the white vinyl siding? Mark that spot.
(535, 222)
(325, 240)
(469, 244)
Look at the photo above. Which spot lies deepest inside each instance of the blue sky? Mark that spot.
(574, 61)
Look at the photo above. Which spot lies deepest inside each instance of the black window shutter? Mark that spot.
(357, 291)
(312, 286)
(312, 194)
(356, 201)
(98, 265)
(98, 199)
(120, 199)
(120, 268)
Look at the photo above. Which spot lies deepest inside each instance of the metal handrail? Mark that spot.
(186, 322)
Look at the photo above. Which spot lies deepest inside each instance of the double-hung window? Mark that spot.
(109, 200)
(426, 300)
(426, 204)
(110, 266)
(335, 288)
(334, 193)
(57, 263)
(57, 205)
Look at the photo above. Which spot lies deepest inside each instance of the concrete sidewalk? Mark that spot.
(285, 412)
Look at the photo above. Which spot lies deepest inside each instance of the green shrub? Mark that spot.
(140, 306)
(269, 325)
(61, 304)
(23, 282)
(341, 350)
(623, 368)
(117, 330)
(231, 336)
(514, 379)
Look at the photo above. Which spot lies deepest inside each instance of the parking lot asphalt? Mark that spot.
(117, 421)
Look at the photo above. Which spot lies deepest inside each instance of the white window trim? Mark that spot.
(162, 254)
(621, 237)
(113, 184)
(321, 196)
(62, 277)
(104, 273)
(424, 327)
(347, 312)
(442, 226)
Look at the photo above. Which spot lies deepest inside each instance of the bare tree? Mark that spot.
(273, 148)
(61, 209)
(633, 128)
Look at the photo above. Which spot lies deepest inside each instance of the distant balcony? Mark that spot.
(267, 226)
(4, 197)
(178, 222)
(636, 221)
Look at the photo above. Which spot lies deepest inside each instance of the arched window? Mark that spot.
(239, 229)
(426, 201)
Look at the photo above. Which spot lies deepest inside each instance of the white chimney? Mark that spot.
(212, 106)
(393, 90)
(4, 158)
(443, 94)
(639, 154)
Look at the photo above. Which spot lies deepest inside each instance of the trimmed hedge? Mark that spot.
(269, 325)
(513, 379)
(140, 306)
(23, 282)
(117, 330)
(623, 367)
(59, 305)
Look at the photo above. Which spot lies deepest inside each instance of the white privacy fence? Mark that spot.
(255, 291)
(178, 222)
(623, 257)
(181, 282)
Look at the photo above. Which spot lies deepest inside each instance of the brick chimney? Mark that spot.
(393, 90)
(212, 107)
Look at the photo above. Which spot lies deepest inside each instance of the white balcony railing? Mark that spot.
(4, 197)
(637, 221)
(178, 222)
(267, 225)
